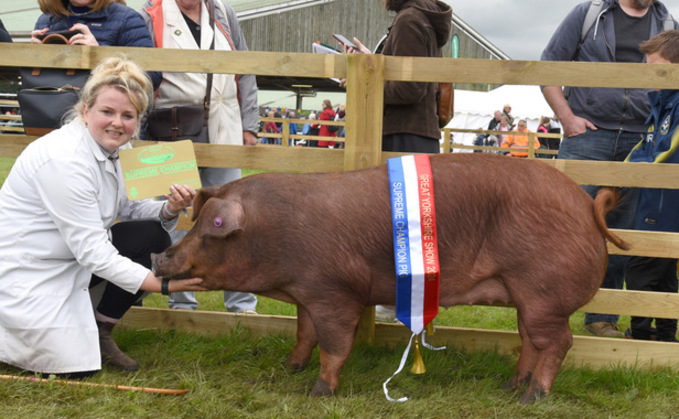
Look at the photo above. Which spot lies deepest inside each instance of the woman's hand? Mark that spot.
(361, 48)
(249, 138)
(154, 284)
(37, 35)
(84, 38)
(180, 198)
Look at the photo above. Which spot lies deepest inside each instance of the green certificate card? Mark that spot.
(150, 171)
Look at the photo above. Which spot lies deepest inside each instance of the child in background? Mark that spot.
(657, 208)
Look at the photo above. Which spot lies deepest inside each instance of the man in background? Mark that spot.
(604, 123)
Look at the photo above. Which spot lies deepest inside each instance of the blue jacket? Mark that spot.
(658, 209)
(115, 26)
(608, 108)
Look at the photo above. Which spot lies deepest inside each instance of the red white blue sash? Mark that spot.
(415, 244)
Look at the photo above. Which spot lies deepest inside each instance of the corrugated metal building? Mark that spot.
(289, 25)
(293, 26)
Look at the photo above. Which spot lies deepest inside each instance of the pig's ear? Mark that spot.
(201, 198)
(222, 218)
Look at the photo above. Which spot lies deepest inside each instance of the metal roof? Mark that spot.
(19, 16)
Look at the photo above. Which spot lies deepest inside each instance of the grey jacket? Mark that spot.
(247, 83)
(608, 108)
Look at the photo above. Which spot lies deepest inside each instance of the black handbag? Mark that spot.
(179, 123)
(184, 122)
(48, 93)
(43, 109)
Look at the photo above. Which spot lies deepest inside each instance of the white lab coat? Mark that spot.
(56, 208)
(224, 123)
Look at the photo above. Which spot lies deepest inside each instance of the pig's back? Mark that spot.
(496, 216)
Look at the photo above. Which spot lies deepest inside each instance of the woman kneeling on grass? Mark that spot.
(58, 207)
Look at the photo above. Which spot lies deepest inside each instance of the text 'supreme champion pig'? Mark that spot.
(509, 231)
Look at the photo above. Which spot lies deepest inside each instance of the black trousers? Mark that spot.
(135, 240)
(652, 274)
(410, 143)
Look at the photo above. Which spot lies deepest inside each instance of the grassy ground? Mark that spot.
(238, 376)
(5, 164)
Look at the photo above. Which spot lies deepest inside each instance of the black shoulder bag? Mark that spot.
(184, 122)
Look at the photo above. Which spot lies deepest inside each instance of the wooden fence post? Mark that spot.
(365, 101)
(363, 148)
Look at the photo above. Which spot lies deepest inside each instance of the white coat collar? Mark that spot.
(99, 154)
(180, 31)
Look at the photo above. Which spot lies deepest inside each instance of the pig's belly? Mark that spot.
(487, 291)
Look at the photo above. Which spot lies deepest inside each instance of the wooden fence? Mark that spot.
(366, 75)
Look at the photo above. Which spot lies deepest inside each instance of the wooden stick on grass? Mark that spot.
(177, 392)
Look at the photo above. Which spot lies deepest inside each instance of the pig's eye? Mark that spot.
(218, 221)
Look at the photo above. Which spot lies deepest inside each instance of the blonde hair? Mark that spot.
(60, 7)
(122, 74)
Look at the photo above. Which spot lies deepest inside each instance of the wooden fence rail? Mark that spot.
(366, 74)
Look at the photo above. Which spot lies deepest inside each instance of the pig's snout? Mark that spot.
(155, 258)
(160, 264)
(169, 265)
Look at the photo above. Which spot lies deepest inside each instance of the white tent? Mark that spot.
(474, 109)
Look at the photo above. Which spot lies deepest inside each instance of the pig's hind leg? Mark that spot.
(306, 341)
(549, 338)
(528, 359)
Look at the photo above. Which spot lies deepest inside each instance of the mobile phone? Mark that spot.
(344, 41)
(57, 37)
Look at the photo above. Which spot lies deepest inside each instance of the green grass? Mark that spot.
(5, 165)
(240, 376)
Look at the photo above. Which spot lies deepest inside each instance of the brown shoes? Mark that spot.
(604, 329)
(110, 353)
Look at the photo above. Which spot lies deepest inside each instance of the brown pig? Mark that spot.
(512, 231)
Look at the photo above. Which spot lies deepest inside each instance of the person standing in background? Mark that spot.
(100, 22)
(410, 122)
(420, 29)
(604, 123)
(507, 112)
(495, 121)
(543, 127)
(657, 208)
(234, 114)
(327, 114)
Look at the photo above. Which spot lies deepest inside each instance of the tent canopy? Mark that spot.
(474, 109)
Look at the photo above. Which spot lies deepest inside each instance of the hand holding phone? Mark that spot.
(58, 37)
(344, 41)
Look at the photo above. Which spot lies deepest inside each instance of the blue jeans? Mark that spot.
(607, 145)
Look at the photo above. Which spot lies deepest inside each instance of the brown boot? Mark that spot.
(110, 354)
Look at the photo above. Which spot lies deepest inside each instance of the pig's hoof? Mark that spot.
(297, 366)
(535, 391)
(321, 389)
(510, 385)
(516, 382)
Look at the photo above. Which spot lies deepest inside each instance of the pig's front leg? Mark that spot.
(336, 333)
(306, 341)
